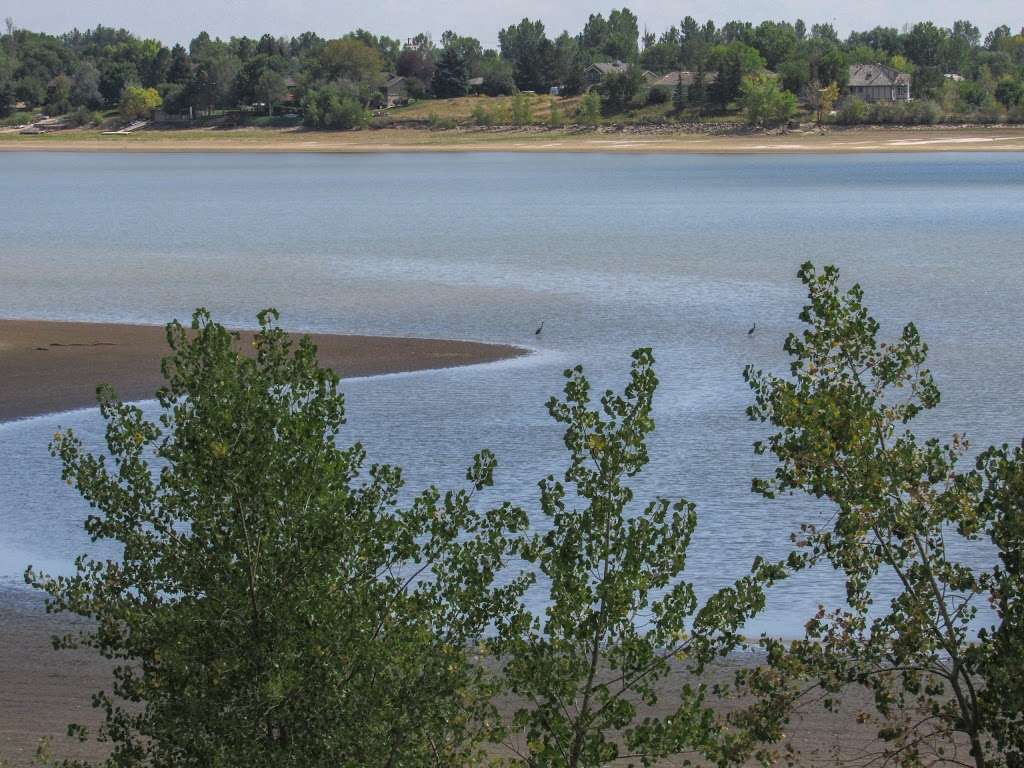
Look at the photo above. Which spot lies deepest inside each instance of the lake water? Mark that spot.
(681, 253)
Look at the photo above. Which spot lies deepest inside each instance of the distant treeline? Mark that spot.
(94, 69)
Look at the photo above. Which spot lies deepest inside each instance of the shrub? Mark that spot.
(139, 103)
(522, 111)
(439, 123)
(764, 102)
(852, 112)
(658, 96)
(556, 117)
(482, 116)
(18, 118)
(589, 110)
(83, 116)
(331, 107)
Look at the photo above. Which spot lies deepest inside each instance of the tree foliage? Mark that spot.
(902, 509)
(765, 103)
(269, 605)
(619, 612)
(140, 102)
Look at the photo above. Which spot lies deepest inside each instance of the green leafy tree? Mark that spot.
(1000, 473)
(272, 88)
(619, 612)
(621, 89)
(85, 86)
(900, 509)
(138, 102)
(765, 103)
(498, 76)
(528, 48)
(269, 605)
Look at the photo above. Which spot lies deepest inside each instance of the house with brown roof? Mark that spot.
(396, 91)
(672, 80)
(596, 73)
(877, 82)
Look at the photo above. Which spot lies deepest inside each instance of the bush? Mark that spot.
(17, 118)
(764, 102)
(482, 116)
(522, 111)
(589, 110)
(138, 103)
(439, 123)
(331, 107)
(556, 118)
(658, 96)
(852, 112)
(84, 116)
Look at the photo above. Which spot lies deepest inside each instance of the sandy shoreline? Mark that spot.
(835, 141)
(53, 366)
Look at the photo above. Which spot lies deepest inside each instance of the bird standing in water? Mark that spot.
(752, 329)
(541, 328)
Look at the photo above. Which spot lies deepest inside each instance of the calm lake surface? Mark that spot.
(681, 253)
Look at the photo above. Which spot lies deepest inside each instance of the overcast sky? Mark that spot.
(179, 20)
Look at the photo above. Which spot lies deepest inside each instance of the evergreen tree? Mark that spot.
(451, 75)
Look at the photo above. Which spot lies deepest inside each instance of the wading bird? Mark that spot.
(752, 329)
(541, 328)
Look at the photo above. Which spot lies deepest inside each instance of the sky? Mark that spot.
(174, 21)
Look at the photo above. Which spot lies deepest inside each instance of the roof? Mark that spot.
(862, 75)
(394, 82)
(475, 81)
(671, 80)
(607, 67)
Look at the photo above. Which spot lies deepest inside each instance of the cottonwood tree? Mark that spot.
(620, 615)
(272, 604)
(901, 510)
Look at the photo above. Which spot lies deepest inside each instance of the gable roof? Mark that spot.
(862, 75)
(671, 80)
(607, 67)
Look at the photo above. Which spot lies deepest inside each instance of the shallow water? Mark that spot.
(682, 253)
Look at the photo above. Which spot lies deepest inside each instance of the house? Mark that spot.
(475, 86)
(596, 73)
(396, 91)
(670, 82)
(877, 82)
(293, 95)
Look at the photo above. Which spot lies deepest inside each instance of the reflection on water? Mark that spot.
(613, 252)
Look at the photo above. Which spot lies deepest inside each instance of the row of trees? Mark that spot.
(92, 69)
(275, 604)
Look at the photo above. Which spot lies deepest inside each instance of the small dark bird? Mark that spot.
(541, 328)
(752, 329)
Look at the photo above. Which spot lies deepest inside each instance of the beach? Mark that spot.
(997, 138)
(55, 366)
